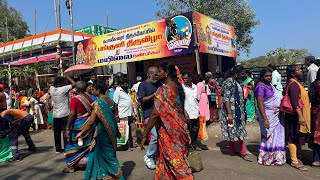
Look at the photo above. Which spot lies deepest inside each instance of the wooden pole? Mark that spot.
(35, 22)
(107, 21)
(59, 15)
(196, 48)
(71, 19)
(7, 31)
(55, 12)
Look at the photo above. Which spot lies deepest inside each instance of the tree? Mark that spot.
(233, 12)
(17, 27)
(278, 56)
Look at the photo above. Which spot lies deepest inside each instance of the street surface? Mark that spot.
(46, 164)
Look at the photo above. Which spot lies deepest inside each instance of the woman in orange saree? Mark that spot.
(173, 135)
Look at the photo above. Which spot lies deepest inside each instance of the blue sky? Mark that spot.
(284, 23)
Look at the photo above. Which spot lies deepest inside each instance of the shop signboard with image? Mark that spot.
(215, 37)
(157, 39)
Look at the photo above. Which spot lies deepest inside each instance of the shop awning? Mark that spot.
(41, 58)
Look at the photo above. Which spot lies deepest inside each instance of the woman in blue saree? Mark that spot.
(102, 162)
(80, 110)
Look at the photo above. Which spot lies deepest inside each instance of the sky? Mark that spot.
(283, 23)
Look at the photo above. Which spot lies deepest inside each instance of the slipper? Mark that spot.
(315, 164)
(246, 157)
(68, 170)
(299, 166)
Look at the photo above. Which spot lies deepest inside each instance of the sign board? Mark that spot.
(95, 30)
(157, 39)
(215, 37)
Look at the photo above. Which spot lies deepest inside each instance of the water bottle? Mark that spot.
(80, 141)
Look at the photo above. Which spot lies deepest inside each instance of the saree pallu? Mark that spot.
(103, 162)
(173, 137)
(250, 103)
(78, 155)
(272, 146)
(5, 150)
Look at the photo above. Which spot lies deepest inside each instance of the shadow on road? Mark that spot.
(25, 152)
(223, 145)
(254, 149)
(24, 173)
(202, 146)
(43, 149)
(4, 165)
(127, 168)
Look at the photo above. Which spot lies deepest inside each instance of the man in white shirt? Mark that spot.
(8, 97)
(312, 70)
(276, 79)
(59, 93)
(312, 75)
(135, 87)
(124, 110)
(191, 106)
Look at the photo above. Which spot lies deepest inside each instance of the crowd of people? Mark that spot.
(172, 104)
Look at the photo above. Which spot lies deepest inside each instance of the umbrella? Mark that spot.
(78, 70)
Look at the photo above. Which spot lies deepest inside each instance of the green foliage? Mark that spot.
(21, 71)
(278, 56)
(17, 27)
(233, 12)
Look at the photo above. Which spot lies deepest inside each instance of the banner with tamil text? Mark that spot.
(215, 37)
(167, 37)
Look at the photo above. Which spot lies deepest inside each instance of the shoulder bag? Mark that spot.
(286, 105)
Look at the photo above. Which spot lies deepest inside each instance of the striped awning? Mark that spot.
(42, 58)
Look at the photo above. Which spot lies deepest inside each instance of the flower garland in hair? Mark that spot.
(179, 75)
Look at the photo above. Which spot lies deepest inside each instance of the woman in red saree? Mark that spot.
(173, 135)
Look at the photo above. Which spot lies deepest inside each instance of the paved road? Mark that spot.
(46, 164)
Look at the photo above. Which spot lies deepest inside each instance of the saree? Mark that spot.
(103, 162)
(306, 113)
(316, 114)
(5, 150)
(78, 155)
(250, 103)
(23, 103)
(272, 146)
(173, 137)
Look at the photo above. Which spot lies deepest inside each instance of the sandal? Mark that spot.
(68, 170)
(299, 166)
(315, 164)
(246, 157)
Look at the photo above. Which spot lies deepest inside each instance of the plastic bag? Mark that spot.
(50, 118)
(203, 131)
(124, 130)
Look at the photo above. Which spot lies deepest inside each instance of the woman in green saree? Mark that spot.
(102, 162)
(249, 97)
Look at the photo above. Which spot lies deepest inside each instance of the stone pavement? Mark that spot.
(46, 164)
